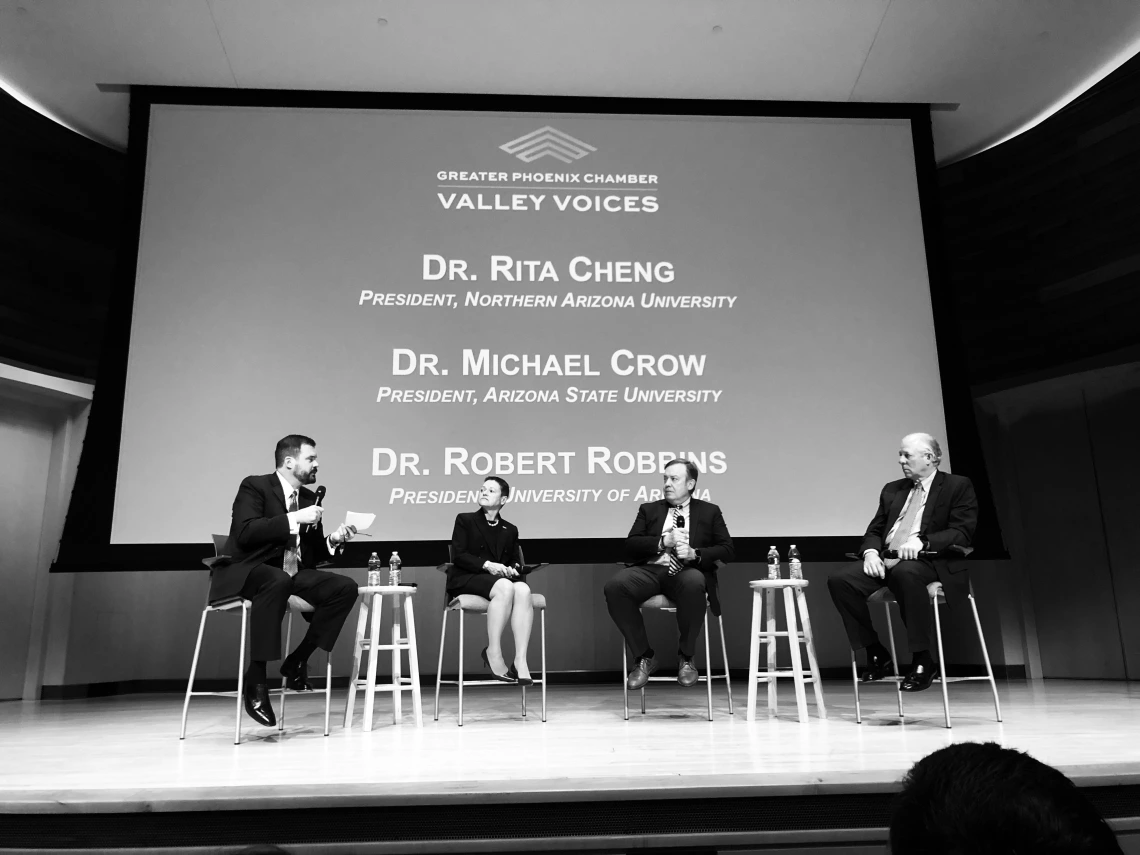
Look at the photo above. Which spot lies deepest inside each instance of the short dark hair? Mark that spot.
(690, 467)
(290, 446)
(984, 799)
(504, 487)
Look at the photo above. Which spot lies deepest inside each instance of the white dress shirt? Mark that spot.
(682, 534)
(920, 495)
(294, 526)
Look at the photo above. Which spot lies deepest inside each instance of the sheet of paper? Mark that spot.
(361, 521)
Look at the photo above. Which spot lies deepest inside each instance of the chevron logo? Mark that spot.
(547, 142)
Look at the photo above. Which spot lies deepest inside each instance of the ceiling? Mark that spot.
(1004, 62)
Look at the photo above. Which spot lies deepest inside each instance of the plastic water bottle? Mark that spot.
(394, 565)
(773, 563)
(795, 568)
(374, 566)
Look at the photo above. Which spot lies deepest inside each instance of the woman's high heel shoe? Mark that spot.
(503, 678)
(514, 675)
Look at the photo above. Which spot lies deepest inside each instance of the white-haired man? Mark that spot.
(924, 511)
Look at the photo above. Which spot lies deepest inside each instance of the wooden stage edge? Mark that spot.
(122, 755)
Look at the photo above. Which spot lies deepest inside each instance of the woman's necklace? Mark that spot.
(492, 523)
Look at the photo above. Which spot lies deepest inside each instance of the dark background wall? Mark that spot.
(1040, 246)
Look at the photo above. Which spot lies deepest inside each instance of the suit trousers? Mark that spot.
(631, 586)
(268, 589)
(850, 587)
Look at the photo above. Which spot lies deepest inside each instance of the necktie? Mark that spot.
(906, 524)
(292, 553)
(674, 563)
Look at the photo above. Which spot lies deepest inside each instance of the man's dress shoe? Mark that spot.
(687, 673)
(296, 676)
(919, 678)
(877, 668)
(641, 672)
(256, 698)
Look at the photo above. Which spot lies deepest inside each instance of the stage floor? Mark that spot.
(122, 754)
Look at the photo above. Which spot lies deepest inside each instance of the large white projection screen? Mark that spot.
(750, 293)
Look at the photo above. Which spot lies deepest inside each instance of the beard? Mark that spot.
(306, 477)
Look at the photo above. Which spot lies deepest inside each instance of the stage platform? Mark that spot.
(113, 772)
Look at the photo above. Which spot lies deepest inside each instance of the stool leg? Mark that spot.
(724, 659)
(542, 625)
(809, 642)
(377, 612)
(770, 605)
(328, 689)
(193, 671)
(941, 662)
(397, 666)
(461, 634)
(625, 678)
(357, 649)
(708, 664)
(753, 654)
(797, 662)
(241, 668)
(985, 655)
(439, 665)
(284, 680)
(413, 661)
(523, 695)
(894, 657)
(855, 686)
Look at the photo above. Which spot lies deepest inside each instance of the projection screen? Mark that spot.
(566, 300)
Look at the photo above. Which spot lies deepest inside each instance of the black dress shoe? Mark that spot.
(919, 678)
(502, 678)
(641, 673)
(878, 667)
(687, 673)
(513, 673)
(256, 700)
(296, 676)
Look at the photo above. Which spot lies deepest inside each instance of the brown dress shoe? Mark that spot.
(687, 673)
(639, 676)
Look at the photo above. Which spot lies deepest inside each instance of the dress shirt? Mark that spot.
(663, 557)
(294, 526)
(920, 495)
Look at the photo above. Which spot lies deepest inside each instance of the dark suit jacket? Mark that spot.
(259, 534)
(949, 519)
(470, 549)
(707, 532)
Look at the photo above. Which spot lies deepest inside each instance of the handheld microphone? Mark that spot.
(320, 498)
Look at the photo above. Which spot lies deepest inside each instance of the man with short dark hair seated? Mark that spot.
(673, 544)
(276, 543)
(982, 799)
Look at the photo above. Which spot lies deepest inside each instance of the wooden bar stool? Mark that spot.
(371, 603)
(764, 597)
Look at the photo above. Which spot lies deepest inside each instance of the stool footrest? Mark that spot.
(764, 675)
(781, 634)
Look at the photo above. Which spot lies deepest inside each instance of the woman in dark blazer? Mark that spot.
(485, 562)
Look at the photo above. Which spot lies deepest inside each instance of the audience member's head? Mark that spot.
(982, 799)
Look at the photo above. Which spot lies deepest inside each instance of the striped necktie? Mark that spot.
(678, 523)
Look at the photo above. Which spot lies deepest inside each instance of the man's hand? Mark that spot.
(308, 516)
(669, 539)
(685, 552)
(873, 565)
(909, 550)
(343, 534)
